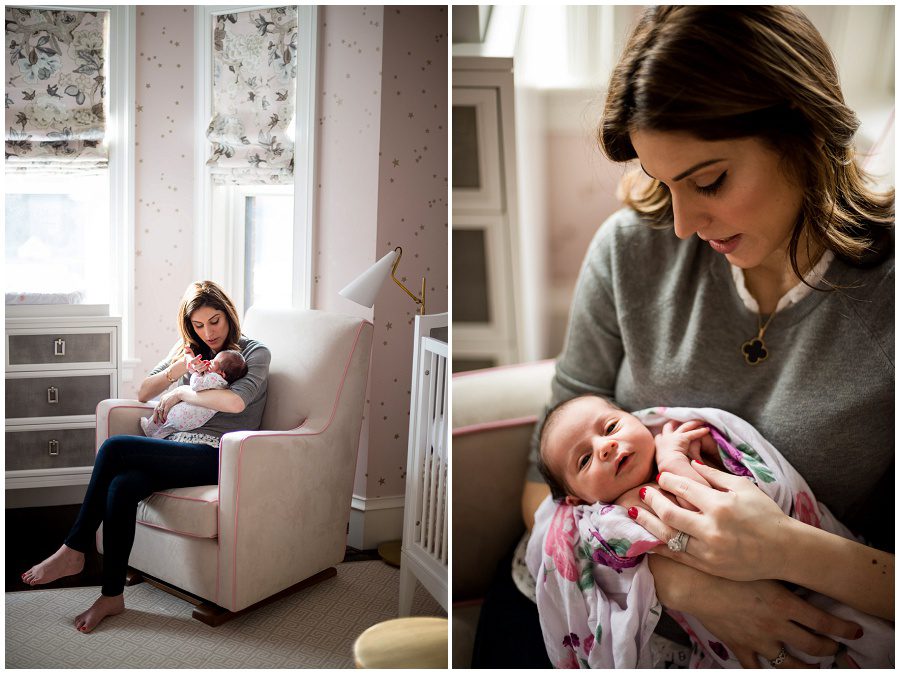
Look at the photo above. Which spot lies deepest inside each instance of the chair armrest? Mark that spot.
(285, 490)
(494, 412)
(120, 416)
(501, 393)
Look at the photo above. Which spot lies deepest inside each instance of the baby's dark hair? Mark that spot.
(233, 365)
(558, 488)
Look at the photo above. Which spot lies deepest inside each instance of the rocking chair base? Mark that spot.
(213, 615)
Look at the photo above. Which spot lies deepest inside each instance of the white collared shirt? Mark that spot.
(792, 296)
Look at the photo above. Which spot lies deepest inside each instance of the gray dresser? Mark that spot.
(57, 370)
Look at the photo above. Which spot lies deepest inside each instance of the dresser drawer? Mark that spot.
(54, 395)
(88, 347)
(63, 448)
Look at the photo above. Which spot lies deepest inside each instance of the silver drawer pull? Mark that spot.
(59, 347)
(52, 395)
(53, 446)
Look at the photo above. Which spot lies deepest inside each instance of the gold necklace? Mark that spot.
(754, 349)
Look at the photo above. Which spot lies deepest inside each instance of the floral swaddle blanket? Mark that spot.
(594, 590)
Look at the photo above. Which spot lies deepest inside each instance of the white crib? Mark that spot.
(424, 551)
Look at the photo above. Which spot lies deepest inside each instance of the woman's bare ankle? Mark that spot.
(102, 608)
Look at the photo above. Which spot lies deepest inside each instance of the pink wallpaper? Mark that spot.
(412, 213)
(348, 121)
(164, 178)
(383, 183)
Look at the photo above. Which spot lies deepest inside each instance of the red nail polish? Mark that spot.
(657, 476)
(643, 493)
(632, 512)
(700, 462)
(859, 633)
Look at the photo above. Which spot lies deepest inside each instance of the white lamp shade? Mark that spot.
(365, 287)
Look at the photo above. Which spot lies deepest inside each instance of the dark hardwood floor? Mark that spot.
(33, 534)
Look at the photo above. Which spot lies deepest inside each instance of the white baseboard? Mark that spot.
(374, 521)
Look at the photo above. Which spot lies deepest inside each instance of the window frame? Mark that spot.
(209, 230)
(120, 134)
(229, 229)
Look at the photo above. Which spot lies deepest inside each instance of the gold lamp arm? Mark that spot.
(418, 300)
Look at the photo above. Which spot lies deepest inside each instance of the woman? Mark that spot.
(753, 272)
(130, 468)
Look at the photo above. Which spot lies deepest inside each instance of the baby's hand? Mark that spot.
(679, 464)
(676, 446)
(194, 364)
(687, 439)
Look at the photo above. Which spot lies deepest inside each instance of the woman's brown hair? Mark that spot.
(206, 294)
(722, 73)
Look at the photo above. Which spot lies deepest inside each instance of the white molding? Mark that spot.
(376, 502)
(202, 113)
(376, 524)
(123, 46)
(305, 174)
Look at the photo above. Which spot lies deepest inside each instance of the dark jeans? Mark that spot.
(129, 468)
(509, 632)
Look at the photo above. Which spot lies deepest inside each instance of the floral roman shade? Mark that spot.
(55, 91)
(254, 73)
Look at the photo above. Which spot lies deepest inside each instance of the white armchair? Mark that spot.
(277, 521)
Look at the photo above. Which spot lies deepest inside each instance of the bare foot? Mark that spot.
(63, 562)
(103, 607)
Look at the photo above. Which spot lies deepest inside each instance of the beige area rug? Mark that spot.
(314, 628)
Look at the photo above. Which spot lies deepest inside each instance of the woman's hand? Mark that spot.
(166, 402)
(738, 531)
(752, 618)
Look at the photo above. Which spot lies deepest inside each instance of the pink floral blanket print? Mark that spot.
(594, 590)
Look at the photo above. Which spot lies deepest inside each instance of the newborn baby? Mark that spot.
(226, 368)
(591, 451)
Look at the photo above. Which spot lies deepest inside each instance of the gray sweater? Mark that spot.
(658, 321)
(252, 389)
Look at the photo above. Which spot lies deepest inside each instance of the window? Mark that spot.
(54, 235)
(268, 243)
(253, 243)
(255, 152)
(71, 232)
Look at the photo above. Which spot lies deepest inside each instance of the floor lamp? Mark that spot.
(363, 290)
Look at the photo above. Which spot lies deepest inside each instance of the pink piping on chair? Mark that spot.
(494, 425)
(470, 373)
(268, 434)
(174, 531)
(185, 498)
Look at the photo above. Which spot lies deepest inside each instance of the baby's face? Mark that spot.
(215, 365)
(598, 451)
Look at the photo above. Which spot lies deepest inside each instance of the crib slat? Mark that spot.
(428, 486)
(440, 451)
(435, 458)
